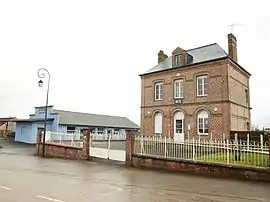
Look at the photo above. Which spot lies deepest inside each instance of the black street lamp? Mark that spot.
(41, 75)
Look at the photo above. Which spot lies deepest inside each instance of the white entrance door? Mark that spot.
(179, 126)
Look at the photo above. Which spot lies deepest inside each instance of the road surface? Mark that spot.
(25, 177)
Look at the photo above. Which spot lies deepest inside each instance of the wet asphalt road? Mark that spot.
(24, 177)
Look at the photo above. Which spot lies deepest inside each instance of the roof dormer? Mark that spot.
(180, 57)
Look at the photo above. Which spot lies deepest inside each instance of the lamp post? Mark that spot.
(41, 75)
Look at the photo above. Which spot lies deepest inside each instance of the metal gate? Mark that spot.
(109, 146)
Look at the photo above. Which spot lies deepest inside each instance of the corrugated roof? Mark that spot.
(78, 118)
(200, 54)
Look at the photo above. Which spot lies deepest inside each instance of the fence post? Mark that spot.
(87, 143)
(165, 146)
(248, 141)
(268, 137)
(193, 149)
(228, 154)
(261, 141)
(39, 138)
(72, 140)
(141, 144)
(235, 137)
(130, 141)
(109, 145)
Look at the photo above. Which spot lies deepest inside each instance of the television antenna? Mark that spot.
(232, 26)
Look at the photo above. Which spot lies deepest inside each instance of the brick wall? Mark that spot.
(65, 151)
(200, 168)
(218, 120)
(130, 138)
(213, 169)
(223, 95)
(239, 106)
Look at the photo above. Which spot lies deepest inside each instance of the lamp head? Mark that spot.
(40, 83)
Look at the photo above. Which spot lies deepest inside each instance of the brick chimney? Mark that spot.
(232, 46)
(161, 56)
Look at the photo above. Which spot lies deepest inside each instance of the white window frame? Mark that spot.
(179, 94)
(71, 131)
(100, 131)
(204, 86)
(158, 96)
(158, 128)
(204, 117)
(178, 60)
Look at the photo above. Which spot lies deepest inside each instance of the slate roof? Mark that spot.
(85, 119)
(200, 54)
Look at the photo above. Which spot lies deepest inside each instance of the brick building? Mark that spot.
(202, 91)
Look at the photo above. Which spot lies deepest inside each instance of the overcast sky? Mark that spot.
(95, 50)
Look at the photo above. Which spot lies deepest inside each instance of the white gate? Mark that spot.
(108, 146)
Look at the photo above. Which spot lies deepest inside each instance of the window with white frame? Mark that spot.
(178, 60)
(71, 129)
(158, 91)
(41, 109)
(179, 88)
(202, 86)
(100, 131)
(158, 123)
(202, 125)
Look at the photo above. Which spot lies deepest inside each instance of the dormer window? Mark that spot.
(178, 60)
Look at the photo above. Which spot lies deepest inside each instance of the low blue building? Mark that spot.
(68, 121)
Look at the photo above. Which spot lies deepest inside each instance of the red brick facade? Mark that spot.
(226, 103)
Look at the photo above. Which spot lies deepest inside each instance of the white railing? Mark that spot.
(76, 139)
(229, 152)
(105, 136)
(71, 139)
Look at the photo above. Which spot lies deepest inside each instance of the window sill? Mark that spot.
(203, 134)
(202, 95)
(178, 98)
(158, 100)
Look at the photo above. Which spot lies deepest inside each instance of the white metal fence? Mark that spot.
(109, 146)
(104, 140)
(106, 136)
(70, 139)
(116, 141)
(229, 152)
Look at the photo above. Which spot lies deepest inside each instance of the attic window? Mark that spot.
(178, 60)
(41, 110)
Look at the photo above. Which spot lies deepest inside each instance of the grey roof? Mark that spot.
(200, 54)
(84, 119)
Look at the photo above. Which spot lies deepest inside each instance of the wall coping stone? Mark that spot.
(239, 167)
(65, 146)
